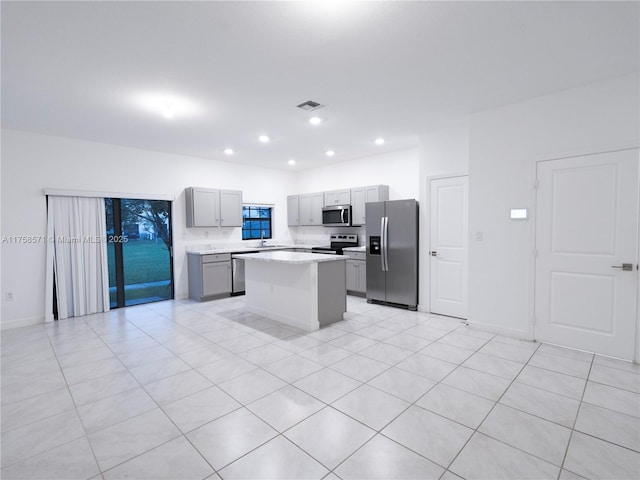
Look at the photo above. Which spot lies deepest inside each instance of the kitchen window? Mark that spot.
(256, 222)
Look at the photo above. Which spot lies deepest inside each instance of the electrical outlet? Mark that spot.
(9, 296)
(479, 236)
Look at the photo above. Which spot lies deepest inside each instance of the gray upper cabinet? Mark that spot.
(306, 209)
(203, 207)
(293, 211)
(362, 195)
(210, 207)
(337, 197)
(230, 208)
(310, 208)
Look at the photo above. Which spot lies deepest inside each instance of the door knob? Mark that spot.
(627, 267)
(434, 253)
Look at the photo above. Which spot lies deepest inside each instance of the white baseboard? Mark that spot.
(500, 330)
(21, 322)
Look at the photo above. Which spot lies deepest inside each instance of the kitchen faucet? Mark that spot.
(262, 238)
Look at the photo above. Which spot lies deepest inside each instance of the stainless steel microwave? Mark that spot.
(336, 216)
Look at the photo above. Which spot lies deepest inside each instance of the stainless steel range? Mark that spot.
(338, 242)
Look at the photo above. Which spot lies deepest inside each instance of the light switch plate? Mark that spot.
(519, 214)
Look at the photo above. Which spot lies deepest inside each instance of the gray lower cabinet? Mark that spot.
(356, 273)
(209, 275)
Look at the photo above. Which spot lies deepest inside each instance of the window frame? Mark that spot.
(249, 233)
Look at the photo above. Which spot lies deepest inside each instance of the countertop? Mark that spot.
(207, 251)
(291, 257)
(362, 248)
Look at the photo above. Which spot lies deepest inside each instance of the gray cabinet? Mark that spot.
(356, 273)
(209, 275)
(203, 207)
(337, 197)
(230, 208)
(310, 208)
(360, 196)
(210, 207)
(306, 209)
(293, 211)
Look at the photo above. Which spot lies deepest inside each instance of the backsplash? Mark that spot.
(297, 236)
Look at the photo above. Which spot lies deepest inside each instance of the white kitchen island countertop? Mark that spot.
(303, 290)
(208, 249)
(290, 257)
(361, 248)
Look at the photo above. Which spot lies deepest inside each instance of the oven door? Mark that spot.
(339, 216)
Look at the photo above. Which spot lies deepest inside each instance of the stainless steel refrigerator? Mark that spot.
(392, 252)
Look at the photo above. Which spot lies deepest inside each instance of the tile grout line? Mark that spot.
(179, 353)
(566, 450)
(476, 430)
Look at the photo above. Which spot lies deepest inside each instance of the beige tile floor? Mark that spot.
(183, 390)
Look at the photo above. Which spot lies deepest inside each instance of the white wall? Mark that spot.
(33, 162)
(443, 152)
(504, 144)
(397, 169)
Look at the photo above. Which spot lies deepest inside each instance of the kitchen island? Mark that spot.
(303, 290)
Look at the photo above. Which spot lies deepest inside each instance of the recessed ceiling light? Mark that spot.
(167, 110)
(264, 139)
(291, 162)
(315, 120)
(166, 104)
(379, 141)
(330, 153)
(228, 151)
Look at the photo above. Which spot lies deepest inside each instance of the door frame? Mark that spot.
(48, 306)
(425, 273)
(533, 229)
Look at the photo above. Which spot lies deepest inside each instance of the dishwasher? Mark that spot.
(237, 275)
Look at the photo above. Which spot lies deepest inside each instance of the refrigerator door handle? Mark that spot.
(385, 244)
(382, 243)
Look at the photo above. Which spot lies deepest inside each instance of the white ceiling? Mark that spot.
(235, 70)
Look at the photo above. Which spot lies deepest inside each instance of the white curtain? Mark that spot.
(80, 265)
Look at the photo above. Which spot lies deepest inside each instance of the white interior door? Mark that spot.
(449, 246)
(587, 227)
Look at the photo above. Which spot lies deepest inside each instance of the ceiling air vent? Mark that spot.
(310, 105)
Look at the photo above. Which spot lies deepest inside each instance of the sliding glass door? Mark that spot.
(139, 251)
